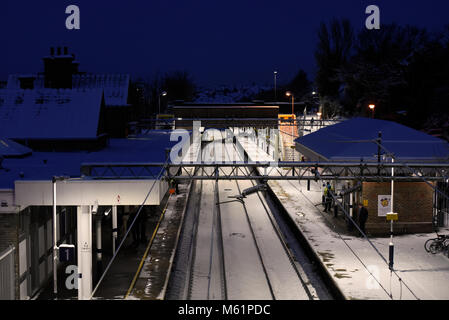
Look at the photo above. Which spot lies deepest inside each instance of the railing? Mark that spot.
(363, 171)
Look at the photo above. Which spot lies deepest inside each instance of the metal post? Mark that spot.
(391, 264)
(84, 245)
(351, 204)
(99, 249)
(293, 116)
(114, 228)
(379, 151)
(55, 243)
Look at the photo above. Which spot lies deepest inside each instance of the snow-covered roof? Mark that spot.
(351, 140)
(45, 165)
(10, 149)
(50, 113)
(115, 86)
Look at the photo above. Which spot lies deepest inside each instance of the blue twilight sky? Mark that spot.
(217, 41)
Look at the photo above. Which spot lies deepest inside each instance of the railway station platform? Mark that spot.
(354, 266)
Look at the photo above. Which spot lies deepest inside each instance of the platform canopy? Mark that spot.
(352, 140)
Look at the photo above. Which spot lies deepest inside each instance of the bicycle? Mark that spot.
(437, 244)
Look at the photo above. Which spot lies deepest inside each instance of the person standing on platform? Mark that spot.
(363, 217)
(329, 198)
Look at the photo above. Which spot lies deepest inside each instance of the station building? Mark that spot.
(52, 132)
(420, 208)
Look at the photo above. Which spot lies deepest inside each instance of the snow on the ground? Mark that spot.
(352, 262)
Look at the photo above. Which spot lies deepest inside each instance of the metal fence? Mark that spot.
(7, 274)
(441, 205)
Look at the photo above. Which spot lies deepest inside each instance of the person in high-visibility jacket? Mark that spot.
(328, 197)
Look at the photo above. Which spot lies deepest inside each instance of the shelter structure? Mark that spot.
(419, 207)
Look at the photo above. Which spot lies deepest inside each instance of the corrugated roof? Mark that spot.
(115, 86)
(50, 113)
(350, 141)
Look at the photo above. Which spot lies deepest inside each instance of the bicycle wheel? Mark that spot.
(435, 247)
(427, 244)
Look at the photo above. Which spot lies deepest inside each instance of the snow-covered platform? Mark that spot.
(355, 267)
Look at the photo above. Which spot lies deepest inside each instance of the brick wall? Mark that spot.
(413, 201)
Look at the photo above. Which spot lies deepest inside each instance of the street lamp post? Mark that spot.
(373, 108)
(319, 114)
(275, 78)
(162, 94)
(288, 94)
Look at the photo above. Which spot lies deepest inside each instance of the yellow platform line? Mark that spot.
(131, 287)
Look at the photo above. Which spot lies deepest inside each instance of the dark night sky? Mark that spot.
(217, 41)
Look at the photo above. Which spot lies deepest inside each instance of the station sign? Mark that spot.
(67, 253)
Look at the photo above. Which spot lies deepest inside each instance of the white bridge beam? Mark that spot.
(86, 192)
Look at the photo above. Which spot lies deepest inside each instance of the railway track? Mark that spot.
(235, 250)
